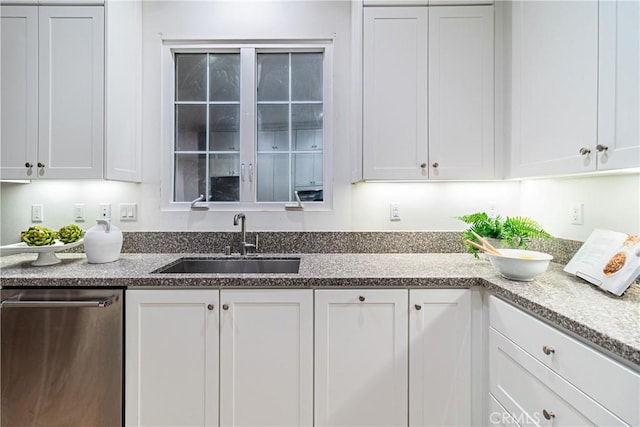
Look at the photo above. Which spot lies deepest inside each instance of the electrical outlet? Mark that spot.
(394, 212)
(37, 213)
(105, 210)
(577, 214)
(78, 212)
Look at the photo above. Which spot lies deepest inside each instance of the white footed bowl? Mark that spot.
(520, 264)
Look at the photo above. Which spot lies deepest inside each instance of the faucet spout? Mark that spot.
(241, 219)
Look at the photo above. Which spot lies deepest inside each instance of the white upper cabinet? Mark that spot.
(554, 86)
(58, 90)
(574, 90)
(123, 91)
(71, 92)
(395, 93)
(52, 113)
(461, 100)
(619, 88)
(19, 89)
(428, 93)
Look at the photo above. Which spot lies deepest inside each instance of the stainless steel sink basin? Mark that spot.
(265, 265)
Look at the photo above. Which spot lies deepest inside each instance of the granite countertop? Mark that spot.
(589, 313)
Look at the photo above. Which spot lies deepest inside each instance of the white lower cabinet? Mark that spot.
(266, 358)
(171, 372)
(383, 357)
(440, 357)
(361, 358)
(541, 376)
(209, 357)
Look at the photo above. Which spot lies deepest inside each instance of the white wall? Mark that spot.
(609, 201)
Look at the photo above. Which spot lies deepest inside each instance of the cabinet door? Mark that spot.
(395, 93)
(461, 92)
(171, 358)
(71, 91)
(19, 88)
(554, 91)
(123, 87)
(361, 358)
(619, 90)
(440, 357)
(266, 358)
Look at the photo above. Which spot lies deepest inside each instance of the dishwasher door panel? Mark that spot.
(61, 358)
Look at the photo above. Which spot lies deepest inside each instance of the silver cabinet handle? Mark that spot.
(40, 165)
(548, 350)
(436, 164)
(361, 298)
(225, 306)
(242, 171)
(418, 307)
(210, 307)
(16, 302)
(423, 165)
(250, 172)
(28, 165)
(600, 148)
(585, 151)
(548, 414)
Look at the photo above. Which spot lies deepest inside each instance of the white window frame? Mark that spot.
(248, 114)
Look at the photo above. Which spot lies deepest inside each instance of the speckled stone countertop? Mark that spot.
(610, 322)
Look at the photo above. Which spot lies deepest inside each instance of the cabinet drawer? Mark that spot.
(498, 416)
(608, 382)
(535, 395)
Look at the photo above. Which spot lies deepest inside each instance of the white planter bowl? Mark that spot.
(520, 264)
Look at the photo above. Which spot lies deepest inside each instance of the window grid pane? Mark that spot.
(289, 134)
(303, 123)
(207, 123)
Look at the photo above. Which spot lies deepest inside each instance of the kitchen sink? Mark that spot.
(231, 265)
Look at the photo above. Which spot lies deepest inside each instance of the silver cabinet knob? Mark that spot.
(225, 306)
(548, 414)
(28, 165)
(600, 148)
(548, 350)
(40, 165)
(423, 165)
(361, 298)
(585, 151)
(418, 307)
(436, 164)
(210, 307)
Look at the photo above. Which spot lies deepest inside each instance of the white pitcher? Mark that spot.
(103, 242)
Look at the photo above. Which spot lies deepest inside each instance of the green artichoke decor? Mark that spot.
(38, 235)
(70, 233)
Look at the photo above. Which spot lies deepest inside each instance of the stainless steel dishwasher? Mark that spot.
(61, 353)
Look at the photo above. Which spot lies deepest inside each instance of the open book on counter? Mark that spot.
(608, 259)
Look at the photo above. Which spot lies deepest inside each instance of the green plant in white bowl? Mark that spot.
(514, 232)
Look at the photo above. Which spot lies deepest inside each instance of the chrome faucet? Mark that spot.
(240, 217)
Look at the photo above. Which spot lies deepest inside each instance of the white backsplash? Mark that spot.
(610, 201)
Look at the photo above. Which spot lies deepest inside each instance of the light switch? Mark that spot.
(128, 211)
(37, 213)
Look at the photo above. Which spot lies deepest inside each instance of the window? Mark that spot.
(249, 124)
